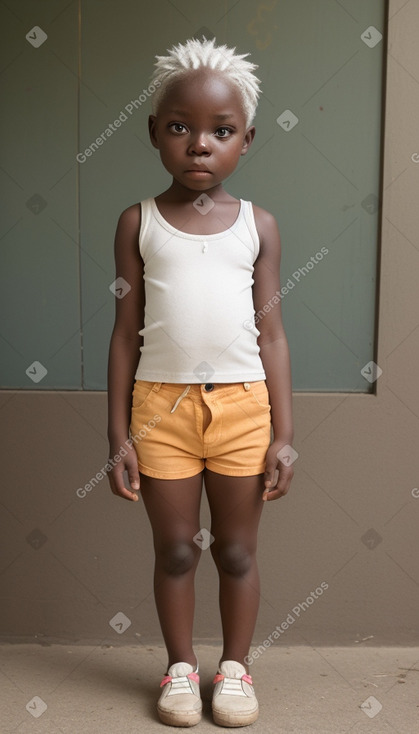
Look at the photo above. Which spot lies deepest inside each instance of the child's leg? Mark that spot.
(173, 509)
(236, 505)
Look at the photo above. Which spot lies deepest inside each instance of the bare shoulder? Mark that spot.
(130, 218)
(267, 228)
(127, 233)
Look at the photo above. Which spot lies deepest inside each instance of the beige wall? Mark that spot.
(70, 564)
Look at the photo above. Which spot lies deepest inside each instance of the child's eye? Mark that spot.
(223, 132)
(178, 128)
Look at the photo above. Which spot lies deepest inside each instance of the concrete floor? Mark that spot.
(72, 689)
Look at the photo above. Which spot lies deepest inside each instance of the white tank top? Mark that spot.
(199, 315)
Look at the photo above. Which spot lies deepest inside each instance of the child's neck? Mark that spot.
(177, 206)
(176, 193)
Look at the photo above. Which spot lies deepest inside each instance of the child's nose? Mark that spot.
(199, 145)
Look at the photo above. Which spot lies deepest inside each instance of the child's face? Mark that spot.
(200, 130)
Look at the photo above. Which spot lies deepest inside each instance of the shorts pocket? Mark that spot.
(260, 394)
(143, 389)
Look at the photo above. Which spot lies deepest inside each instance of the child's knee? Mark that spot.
(233, 558)
(177, 558)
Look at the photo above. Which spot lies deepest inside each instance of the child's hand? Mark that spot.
(277, 476)
(115, 475)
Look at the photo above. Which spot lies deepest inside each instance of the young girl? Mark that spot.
(200, 402)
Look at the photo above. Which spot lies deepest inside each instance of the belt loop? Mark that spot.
(156, 387)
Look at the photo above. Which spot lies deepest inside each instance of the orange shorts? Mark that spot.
(177, 430)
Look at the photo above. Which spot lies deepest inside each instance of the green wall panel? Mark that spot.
(39, 254)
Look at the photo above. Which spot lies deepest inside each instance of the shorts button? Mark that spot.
(209, 386)
(246, 385)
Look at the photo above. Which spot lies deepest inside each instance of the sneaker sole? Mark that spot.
(239, 719)
(181, 718)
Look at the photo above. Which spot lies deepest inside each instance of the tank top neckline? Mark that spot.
(196, 237)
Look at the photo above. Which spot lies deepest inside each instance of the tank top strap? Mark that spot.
(249, 218)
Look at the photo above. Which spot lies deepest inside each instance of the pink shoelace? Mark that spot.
(168, 678)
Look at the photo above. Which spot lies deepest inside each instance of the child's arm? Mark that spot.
(274, 351)
(124, 352)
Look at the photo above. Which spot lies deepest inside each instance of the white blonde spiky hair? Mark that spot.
(194, 54)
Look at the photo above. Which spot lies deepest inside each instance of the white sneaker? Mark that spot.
(234, 702)
(180, 702)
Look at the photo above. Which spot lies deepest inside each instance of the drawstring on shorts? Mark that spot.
(183, 395)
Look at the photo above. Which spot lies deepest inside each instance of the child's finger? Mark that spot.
(271, 477)
(282, 489)
(118, 487)
(132, 477)
(128, 494)
(271, 480)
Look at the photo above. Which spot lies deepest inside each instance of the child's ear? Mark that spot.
(152, 130)
(248, 139)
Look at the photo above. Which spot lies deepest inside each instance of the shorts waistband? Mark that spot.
(197, 390)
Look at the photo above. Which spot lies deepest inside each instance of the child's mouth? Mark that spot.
(199, 172)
